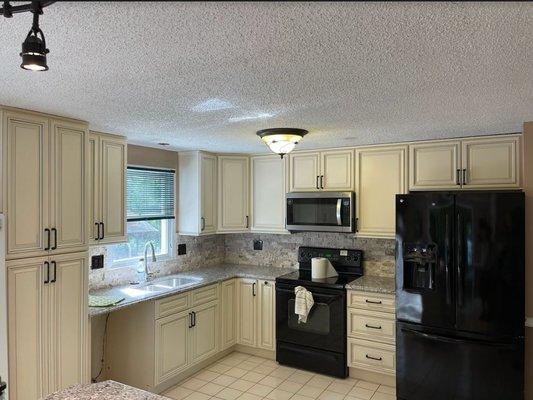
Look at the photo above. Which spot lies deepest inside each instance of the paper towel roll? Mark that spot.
(321, 268)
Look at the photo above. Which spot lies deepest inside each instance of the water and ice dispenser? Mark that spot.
(419, 263)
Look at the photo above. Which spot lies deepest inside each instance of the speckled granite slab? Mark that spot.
(134, 294)
(376, 284)
(107, 390)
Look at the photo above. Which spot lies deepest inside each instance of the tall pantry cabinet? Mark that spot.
(44, 199)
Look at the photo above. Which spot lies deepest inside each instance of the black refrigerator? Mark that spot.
(460, 296)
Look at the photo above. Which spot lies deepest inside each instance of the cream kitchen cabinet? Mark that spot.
(197, 193)
(491, 162)
(233, 194)
(380, 174)
(45, 184)
(228, 313)
(256, 309)
(47, 314)
(167, 337)
(268, 194)
(107, 188)
(326, 170)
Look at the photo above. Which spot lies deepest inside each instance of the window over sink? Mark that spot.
(150, 214)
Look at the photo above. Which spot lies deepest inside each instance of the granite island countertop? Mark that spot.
(134, 294)
(376, 284)
(107, 390)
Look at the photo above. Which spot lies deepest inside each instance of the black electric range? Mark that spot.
(318, 345)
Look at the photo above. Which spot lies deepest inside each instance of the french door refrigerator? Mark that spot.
(460, 296)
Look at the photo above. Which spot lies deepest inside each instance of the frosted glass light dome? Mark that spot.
(282, 140)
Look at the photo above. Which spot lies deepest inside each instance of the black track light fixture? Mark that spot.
(34, 49)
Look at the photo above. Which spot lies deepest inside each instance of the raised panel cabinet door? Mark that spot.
(268, 194)
(247, 312)
(304, 172)
(208, 217)
(26, 138)
(68, 319)
(114, 161)
(380, 174)
(171, 345)
(229, 313)
(69, 186)
(27, 357)
(205, 332)
(267, 315)
(233, 193)
(435, 166)
(94, 192)
(337, 170)
(492, 163)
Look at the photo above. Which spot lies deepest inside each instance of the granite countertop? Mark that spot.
(134, 294)
(107, 390)
(376, 284)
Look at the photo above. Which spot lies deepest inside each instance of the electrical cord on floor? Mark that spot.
(104, 342)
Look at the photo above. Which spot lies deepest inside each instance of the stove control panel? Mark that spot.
(338, 257)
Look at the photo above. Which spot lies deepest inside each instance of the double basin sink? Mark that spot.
(161, 286)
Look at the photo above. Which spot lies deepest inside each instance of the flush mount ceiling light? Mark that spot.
(282, 140)
(34, 49)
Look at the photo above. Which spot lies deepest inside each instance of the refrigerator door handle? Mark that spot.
(447, 261)
(454, 340)
(460, 272)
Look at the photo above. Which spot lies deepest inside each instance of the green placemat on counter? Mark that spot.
(104, 301)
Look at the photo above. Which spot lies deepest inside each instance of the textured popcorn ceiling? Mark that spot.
(208, 75)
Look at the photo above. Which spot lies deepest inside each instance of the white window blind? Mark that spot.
(150, 194)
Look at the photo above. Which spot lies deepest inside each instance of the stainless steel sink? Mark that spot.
(163, 285)
(173, 283)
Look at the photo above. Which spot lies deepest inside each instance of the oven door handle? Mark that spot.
(313, 293)
(339, 205)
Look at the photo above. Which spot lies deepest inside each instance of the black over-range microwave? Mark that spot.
(320, 211)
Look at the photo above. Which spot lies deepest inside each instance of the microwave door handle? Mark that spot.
(339, 205)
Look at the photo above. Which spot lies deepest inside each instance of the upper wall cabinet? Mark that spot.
(380, 174)
(107, 188)
(478, 163)
(197, 193)
(233, 194)
(268, 194)
(44, 185)
(326, 170)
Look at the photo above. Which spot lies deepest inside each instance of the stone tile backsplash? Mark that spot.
(278, 251)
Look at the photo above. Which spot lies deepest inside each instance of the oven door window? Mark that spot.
(317, 320)
(321, 212)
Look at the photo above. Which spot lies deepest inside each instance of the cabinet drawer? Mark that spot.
(204, 295)
(371, 301)
(171, 305)
(372, 325)
(376, 357)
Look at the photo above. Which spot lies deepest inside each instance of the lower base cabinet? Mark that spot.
(47, 316)
(153, 342)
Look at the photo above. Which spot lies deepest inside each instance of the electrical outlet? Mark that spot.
(182, 249)
(97, 262)
(258, 245)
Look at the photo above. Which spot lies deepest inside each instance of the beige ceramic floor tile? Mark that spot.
(249, 396)
(260, 390)
(264, 369)
(386, 389)
(232, 362)
(327, 395)
(310, 391)
(178, 393)
(193, 383)
(319, 381)
(270, 363)
(224, 380)
(361, 393)
(247, 365)
(367, 385)
(341, 388)
(289, 386)
(219, 368)
(256, 360)
(241, 384)
(278, 394)
(281, 372)
(229, 394)
(300, 377)
(300, 397)
(207, 375)
(236, 372)
(253, 376)
(271, 381)
(383, 396)
(211, 389)
(197, 396)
